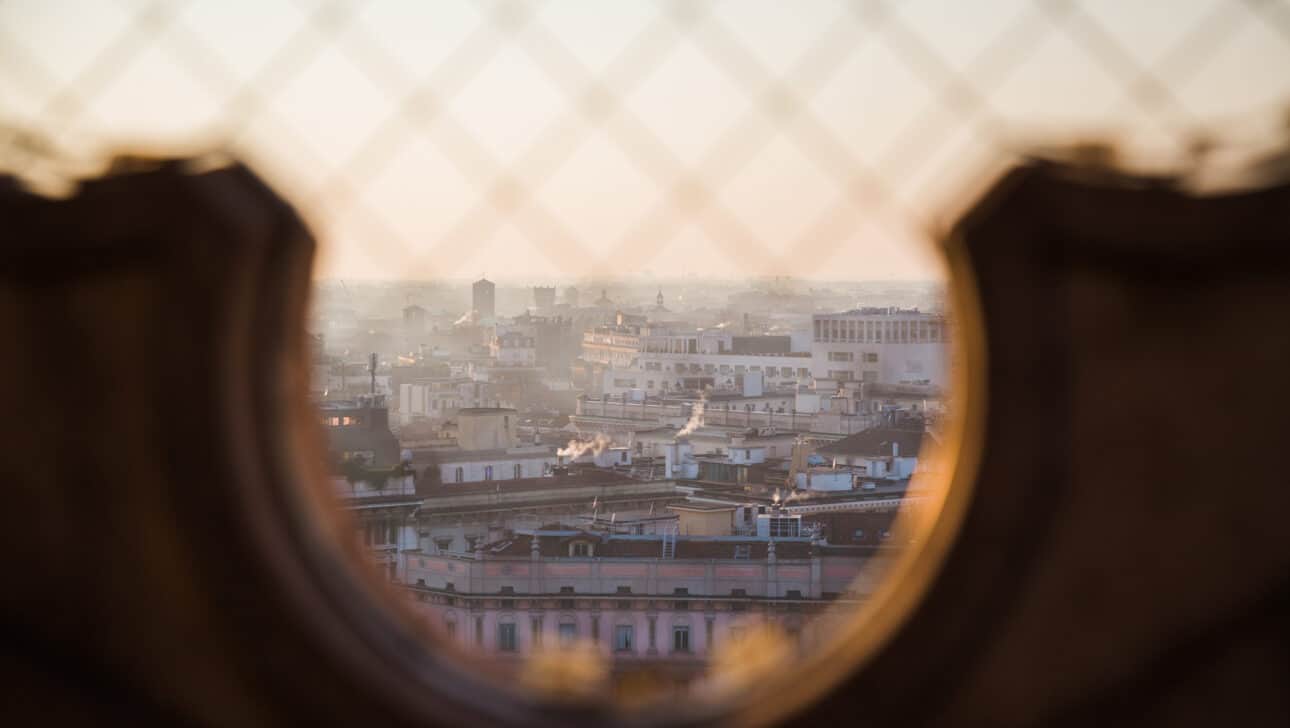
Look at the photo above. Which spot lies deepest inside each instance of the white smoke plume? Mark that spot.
(696, 419)
(576, 448)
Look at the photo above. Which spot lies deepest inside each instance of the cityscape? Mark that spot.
(656, 475)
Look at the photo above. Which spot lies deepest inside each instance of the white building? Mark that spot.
(488, 450)
(881, 452)
(495, 465)
(513, 349)
(881, 346)
(435, 398)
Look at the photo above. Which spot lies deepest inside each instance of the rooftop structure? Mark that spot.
(881, 346)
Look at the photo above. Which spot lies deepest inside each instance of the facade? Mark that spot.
(513, 349)
(654, 597)
(359, 431)
(614, 345)
(487, 428)
(483, 299)
(667, 371)
(660, 358)
(516, 463)
(881, 346)
(435, 398)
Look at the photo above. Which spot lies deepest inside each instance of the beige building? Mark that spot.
(486, 428)
(704, 519)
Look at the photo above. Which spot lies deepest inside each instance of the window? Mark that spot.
(793, 594)
(871, 358)
(519, 471)
(506, 637)
(624, 590)
(460, 475)
(681, 638)
(581, 548)
(858, 534)
(742, 551)
(841, 356)
(568, 632)
(450, 627)
(623, 638)
(738, 592)
(784, 527)
(488, 472)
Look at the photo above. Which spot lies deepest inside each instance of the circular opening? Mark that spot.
(702, 187)
(620, 579)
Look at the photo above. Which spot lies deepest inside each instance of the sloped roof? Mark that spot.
(877, 442)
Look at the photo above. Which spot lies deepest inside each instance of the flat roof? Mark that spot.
(698, 507)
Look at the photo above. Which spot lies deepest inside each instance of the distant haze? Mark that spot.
(570, 138)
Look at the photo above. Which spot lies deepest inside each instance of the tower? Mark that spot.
(483, 299)
(544, 299)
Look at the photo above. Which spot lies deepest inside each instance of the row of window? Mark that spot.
(567, 633)
(682, 367)
(781, 529)
(459, 476)
(868, 357)
(876, 332)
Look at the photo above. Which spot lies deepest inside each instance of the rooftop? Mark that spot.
(555, 544)
(877, 442)
(583, 477)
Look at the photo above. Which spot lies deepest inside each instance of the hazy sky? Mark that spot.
(567, 138)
